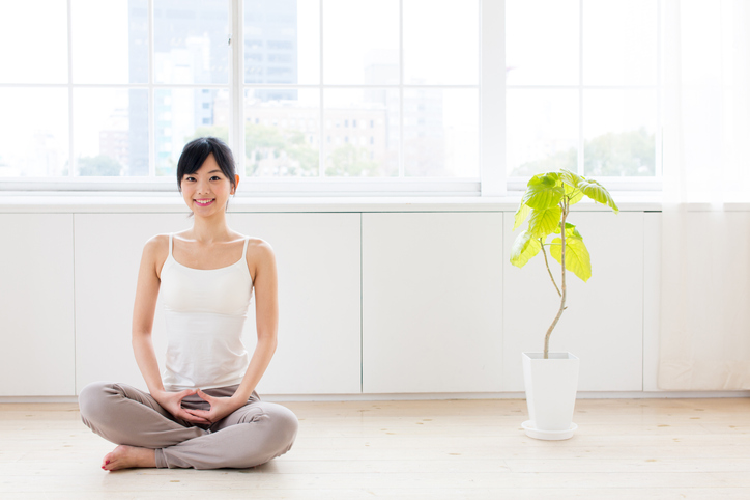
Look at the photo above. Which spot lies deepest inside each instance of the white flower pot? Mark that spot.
(551, 386)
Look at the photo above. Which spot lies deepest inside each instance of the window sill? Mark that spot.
(100, 202)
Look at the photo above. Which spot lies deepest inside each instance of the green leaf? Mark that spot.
(521, 213)
(570, 181)
(545, 221)
(596, 192)
(543, 190)
(524, 248)
(569, 178)
(572, 232)
(549, 178)
(577, 258)
(577, 195)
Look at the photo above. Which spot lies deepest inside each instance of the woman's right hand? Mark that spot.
(172, 402)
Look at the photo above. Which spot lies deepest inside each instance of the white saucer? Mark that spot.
(533, 432)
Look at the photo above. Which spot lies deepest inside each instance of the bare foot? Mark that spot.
(128, 457)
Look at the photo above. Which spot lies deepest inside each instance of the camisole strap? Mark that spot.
(244, 247)
(244, 255)
(170, 246)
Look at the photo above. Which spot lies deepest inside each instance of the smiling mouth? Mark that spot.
(205, 202)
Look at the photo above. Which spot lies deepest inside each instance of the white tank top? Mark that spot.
(205, 311)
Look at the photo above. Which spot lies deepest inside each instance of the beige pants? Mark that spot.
(252, 435)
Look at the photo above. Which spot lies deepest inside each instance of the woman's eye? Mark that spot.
(189, 179)
(215, 178)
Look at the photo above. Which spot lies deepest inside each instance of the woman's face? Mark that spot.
(207, 190)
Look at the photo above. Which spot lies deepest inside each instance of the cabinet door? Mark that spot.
(432, 295)
(108, 255)
(603, 322)
(36, 305)
(319, 290)
(651, 299)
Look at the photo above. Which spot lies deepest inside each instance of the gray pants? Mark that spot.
(252, 435)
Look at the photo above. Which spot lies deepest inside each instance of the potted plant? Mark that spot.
(551, 379)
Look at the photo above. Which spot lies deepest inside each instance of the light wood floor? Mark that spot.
(623, 448)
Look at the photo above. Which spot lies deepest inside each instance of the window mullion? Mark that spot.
(71, 124)
(659, 134)
(580, 88)
(151, 117)
(236, 89)
(401, 168)
(322, 142)
(492, 98)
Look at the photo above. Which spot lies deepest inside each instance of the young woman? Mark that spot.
(202, 412)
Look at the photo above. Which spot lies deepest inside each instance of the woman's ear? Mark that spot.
(236, 183)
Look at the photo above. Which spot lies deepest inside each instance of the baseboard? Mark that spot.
(38, 399)
(431, 396)
(500, 395)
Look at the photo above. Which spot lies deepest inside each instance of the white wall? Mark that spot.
(380, 303)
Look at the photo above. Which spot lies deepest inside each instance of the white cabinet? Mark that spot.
(319, 288)
(375, 302)
(36, 305)
(108, 255)
(432, 295)
(603, 324)
(318, 260)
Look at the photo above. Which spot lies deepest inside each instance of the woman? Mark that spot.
(203, 411)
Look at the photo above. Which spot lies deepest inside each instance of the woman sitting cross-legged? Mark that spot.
(202, 412)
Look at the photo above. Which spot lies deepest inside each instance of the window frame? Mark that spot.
(493, 180)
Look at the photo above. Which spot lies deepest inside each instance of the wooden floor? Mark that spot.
(459, 449)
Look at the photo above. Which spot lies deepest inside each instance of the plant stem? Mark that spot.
(546, 263)
(565, 208)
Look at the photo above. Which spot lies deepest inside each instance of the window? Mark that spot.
(131, 81)
(278, 44)
(101, 84)
(588, 101)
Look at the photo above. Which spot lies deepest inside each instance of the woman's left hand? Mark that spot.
(220, 407)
